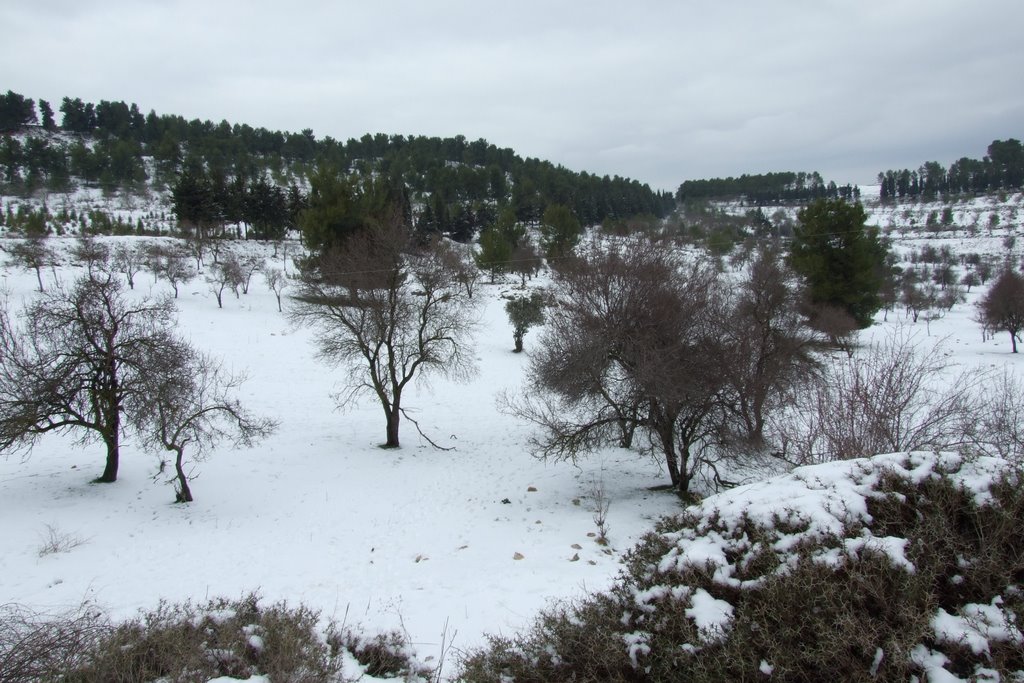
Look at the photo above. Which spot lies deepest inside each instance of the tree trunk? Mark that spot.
(683, 485)
(665, 436)
(183, 493)
(1013, 342)
(39, 277)
(112, 442)
(108, 405)
(519, 343)
(673, 467)
(627, 428)
(392, 428)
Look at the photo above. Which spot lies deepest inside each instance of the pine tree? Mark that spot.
(46, 111)
(559, 230)
(16, 111)
(841, 258)
(495, 252)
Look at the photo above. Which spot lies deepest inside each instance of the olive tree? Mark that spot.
(524, 312)
(388, 312)
(225, 274)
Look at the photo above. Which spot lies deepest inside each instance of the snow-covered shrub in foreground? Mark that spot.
(220, 640)
(895, 566)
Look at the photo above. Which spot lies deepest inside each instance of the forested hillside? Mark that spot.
(258, 176)
(1000, 170)
(784, 187)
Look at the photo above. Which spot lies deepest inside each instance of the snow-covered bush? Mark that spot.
(184, 642)
(890, 567)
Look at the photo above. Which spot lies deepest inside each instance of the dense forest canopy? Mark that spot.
(455, 184)
(1000, 170)
(784, 187)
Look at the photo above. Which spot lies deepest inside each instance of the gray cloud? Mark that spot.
(659, 91)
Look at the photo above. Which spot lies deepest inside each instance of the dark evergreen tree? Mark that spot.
(495, 252)
(16, 112)
(194, 202)
(560, 231)
(266, 209)
(79, 117)
(46, 112)
(841, 258)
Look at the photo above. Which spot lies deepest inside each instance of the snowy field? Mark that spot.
(414, 539)
(441, 545)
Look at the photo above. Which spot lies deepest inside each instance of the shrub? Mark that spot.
(883, 568)
(36, 647)
(186, 642)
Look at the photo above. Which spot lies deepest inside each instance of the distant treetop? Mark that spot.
(784, 187)
(1001, 169)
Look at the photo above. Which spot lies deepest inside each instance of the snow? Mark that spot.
(418, 540)
(811, 505)
(977, 626)
(711, 615)
(409, 539)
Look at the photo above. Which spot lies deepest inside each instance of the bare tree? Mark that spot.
(168, 262)
(196, 247)
(1000, 425)
(276, 281)
(525, 261)
(225, 274)
(81, 362)
(387, 313)
(838, 326)
(770, 345)
(33, 253)
(128, 259)
(248, 264)
(887, 398)
(632, 344)
(91, 253)
(40, 647)
(460, 262)
(192, 407)
(1002, 307)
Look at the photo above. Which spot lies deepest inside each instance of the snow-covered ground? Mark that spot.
(414, 539)
(443, 545)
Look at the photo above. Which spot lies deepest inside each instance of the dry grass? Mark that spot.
(56, 541)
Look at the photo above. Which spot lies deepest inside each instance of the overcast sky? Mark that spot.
(658, 91)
